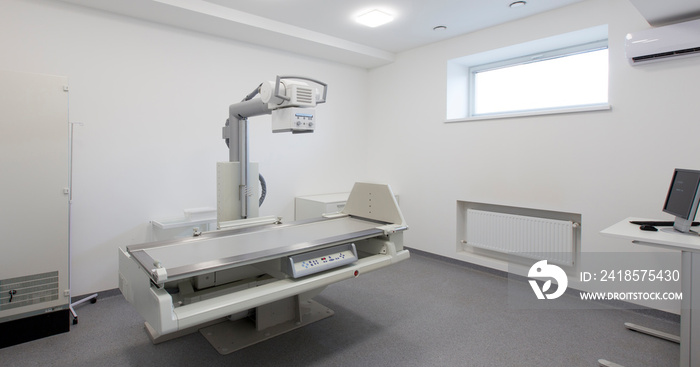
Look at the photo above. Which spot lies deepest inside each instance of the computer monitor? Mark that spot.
(683, 198)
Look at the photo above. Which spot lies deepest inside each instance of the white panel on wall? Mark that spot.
(34, 195)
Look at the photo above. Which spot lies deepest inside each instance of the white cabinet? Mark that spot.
(34, 206)
(314, 206)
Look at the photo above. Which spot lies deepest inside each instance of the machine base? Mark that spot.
(230, 336)
(157, 339)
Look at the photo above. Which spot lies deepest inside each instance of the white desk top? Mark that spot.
(665, 237)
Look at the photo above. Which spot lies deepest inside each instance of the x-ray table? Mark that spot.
(184, 285)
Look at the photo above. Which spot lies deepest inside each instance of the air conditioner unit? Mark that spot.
(662, 43)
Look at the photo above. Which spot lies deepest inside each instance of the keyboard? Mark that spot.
(657, 223)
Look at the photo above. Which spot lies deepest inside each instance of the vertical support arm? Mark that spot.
(243, 155)
(236, 131)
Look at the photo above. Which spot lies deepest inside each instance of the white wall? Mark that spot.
(153, 100)
(605, 165)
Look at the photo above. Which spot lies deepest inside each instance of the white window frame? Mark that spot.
(537, 57)
(460, 84)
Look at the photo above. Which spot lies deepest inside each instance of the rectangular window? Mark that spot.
(563, 73)
(568, 78)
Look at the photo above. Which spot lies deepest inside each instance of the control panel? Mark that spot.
(296, 120)
(313, 262)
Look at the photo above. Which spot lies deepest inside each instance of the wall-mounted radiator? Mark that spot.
(525, 236)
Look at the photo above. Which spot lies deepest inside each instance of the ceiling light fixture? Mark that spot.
(517, 4)
(374, 18)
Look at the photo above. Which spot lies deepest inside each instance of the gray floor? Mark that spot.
(421, 312)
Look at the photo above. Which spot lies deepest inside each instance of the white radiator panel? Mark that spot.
(530, 237)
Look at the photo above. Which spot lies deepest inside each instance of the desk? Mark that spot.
(689, 245)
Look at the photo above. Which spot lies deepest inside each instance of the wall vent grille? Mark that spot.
(28, 290)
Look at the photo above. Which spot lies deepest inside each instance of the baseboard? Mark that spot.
(101, 294)
(34, 327)
(659, 314)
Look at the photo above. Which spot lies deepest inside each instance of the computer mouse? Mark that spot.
(647, 227)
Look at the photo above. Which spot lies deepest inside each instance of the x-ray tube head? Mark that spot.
(267, 94)
(290, 100)
(288, 92)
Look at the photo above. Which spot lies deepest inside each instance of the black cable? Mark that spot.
(252, 94)
(263, 189)
(227, 138)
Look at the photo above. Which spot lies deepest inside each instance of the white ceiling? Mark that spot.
(326, 29)
(413, 24)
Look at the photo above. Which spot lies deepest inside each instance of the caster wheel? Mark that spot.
(94, 300)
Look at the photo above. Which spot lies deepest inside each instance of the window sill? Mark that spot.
(553, 111)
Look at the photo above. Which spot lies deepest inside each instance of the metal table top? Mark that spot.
(220, 250)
